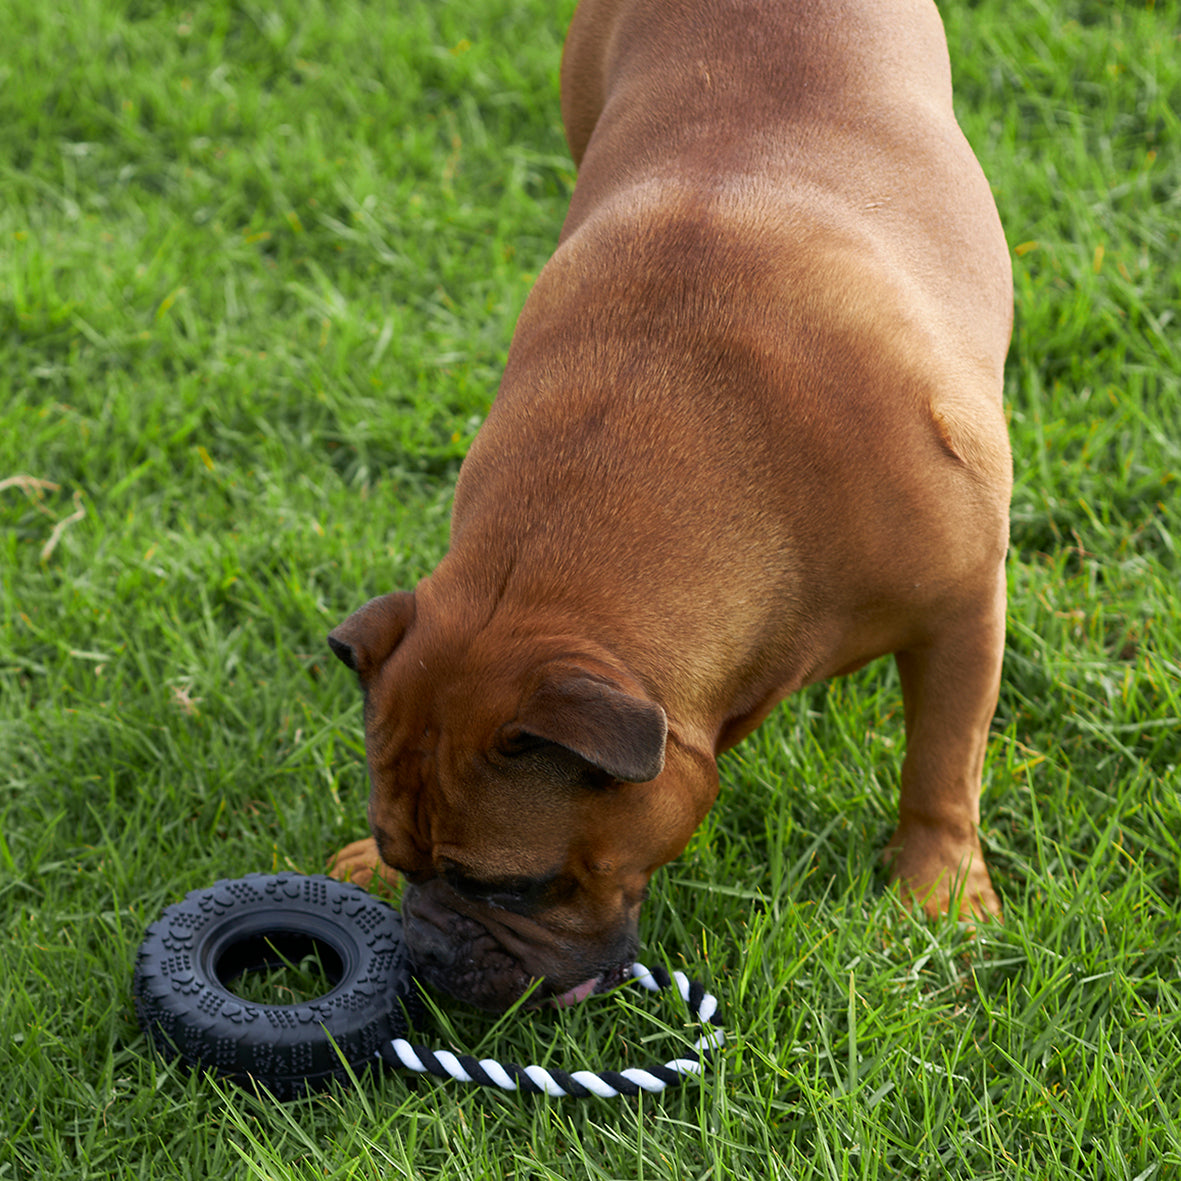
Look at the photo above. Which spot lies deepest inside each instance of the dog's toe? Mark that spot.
(938, 879)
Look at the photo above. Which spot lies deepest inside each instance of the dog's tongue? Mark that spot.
(577, 994)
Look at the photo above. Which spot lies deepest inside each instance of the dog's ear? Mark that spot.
(616, 731)
(372, 632)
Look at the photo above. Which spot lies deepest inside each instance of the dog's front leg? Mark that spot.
(950, 685)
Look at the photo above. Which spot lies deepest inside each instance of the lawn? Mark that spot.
(259, 269)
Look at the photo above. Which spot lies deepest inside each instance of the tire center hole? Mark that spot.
(279, 968)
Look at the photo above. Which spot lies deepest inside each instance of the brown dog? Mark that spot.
(749, 436)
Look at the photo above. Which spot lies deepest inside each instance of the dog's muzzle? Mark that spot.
(486, 967)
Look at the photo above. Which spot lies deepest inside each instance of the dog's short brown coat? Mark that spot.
(749, 436)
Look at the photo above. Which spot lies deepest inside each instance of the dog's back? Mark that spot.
(778, 313)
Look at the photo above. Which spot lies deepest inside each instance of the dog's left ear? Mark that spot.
(616, 731)
(372, 632)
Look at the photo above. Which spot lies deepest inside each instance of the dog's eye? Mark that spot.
(468, 887)
(508, 892)
(512, 888)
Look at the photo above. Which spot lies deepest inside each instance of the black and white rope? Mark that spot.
(581, 1084)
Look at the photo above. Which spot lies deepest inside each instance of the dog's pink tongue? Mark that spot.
(578, 993)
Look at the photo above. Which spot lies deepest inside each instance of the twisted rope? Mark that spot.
(605, 1084)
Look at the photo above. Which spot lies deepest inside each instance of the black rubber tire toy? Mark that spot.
(199, 946)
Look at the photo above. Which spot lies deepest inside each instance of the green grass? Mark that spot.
(285, 980)
(259, 267)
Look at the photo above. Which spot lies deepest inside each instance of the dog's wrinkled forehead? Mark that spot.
(449, 790)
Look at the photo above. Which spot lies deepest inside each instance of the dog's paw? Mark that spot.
(941, 877)
(359, 863)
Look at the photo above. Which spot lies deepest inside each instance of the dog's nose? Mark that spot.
(427, 944)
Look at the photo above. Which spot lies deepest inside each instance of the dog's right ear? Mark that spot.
(372, 632)
(619, 731)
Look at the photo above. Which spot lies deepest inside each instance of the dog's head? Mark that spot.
(525, 786)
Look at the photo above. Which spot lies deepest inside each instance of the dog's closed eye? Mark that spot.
(513, 893)
(471, 888)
